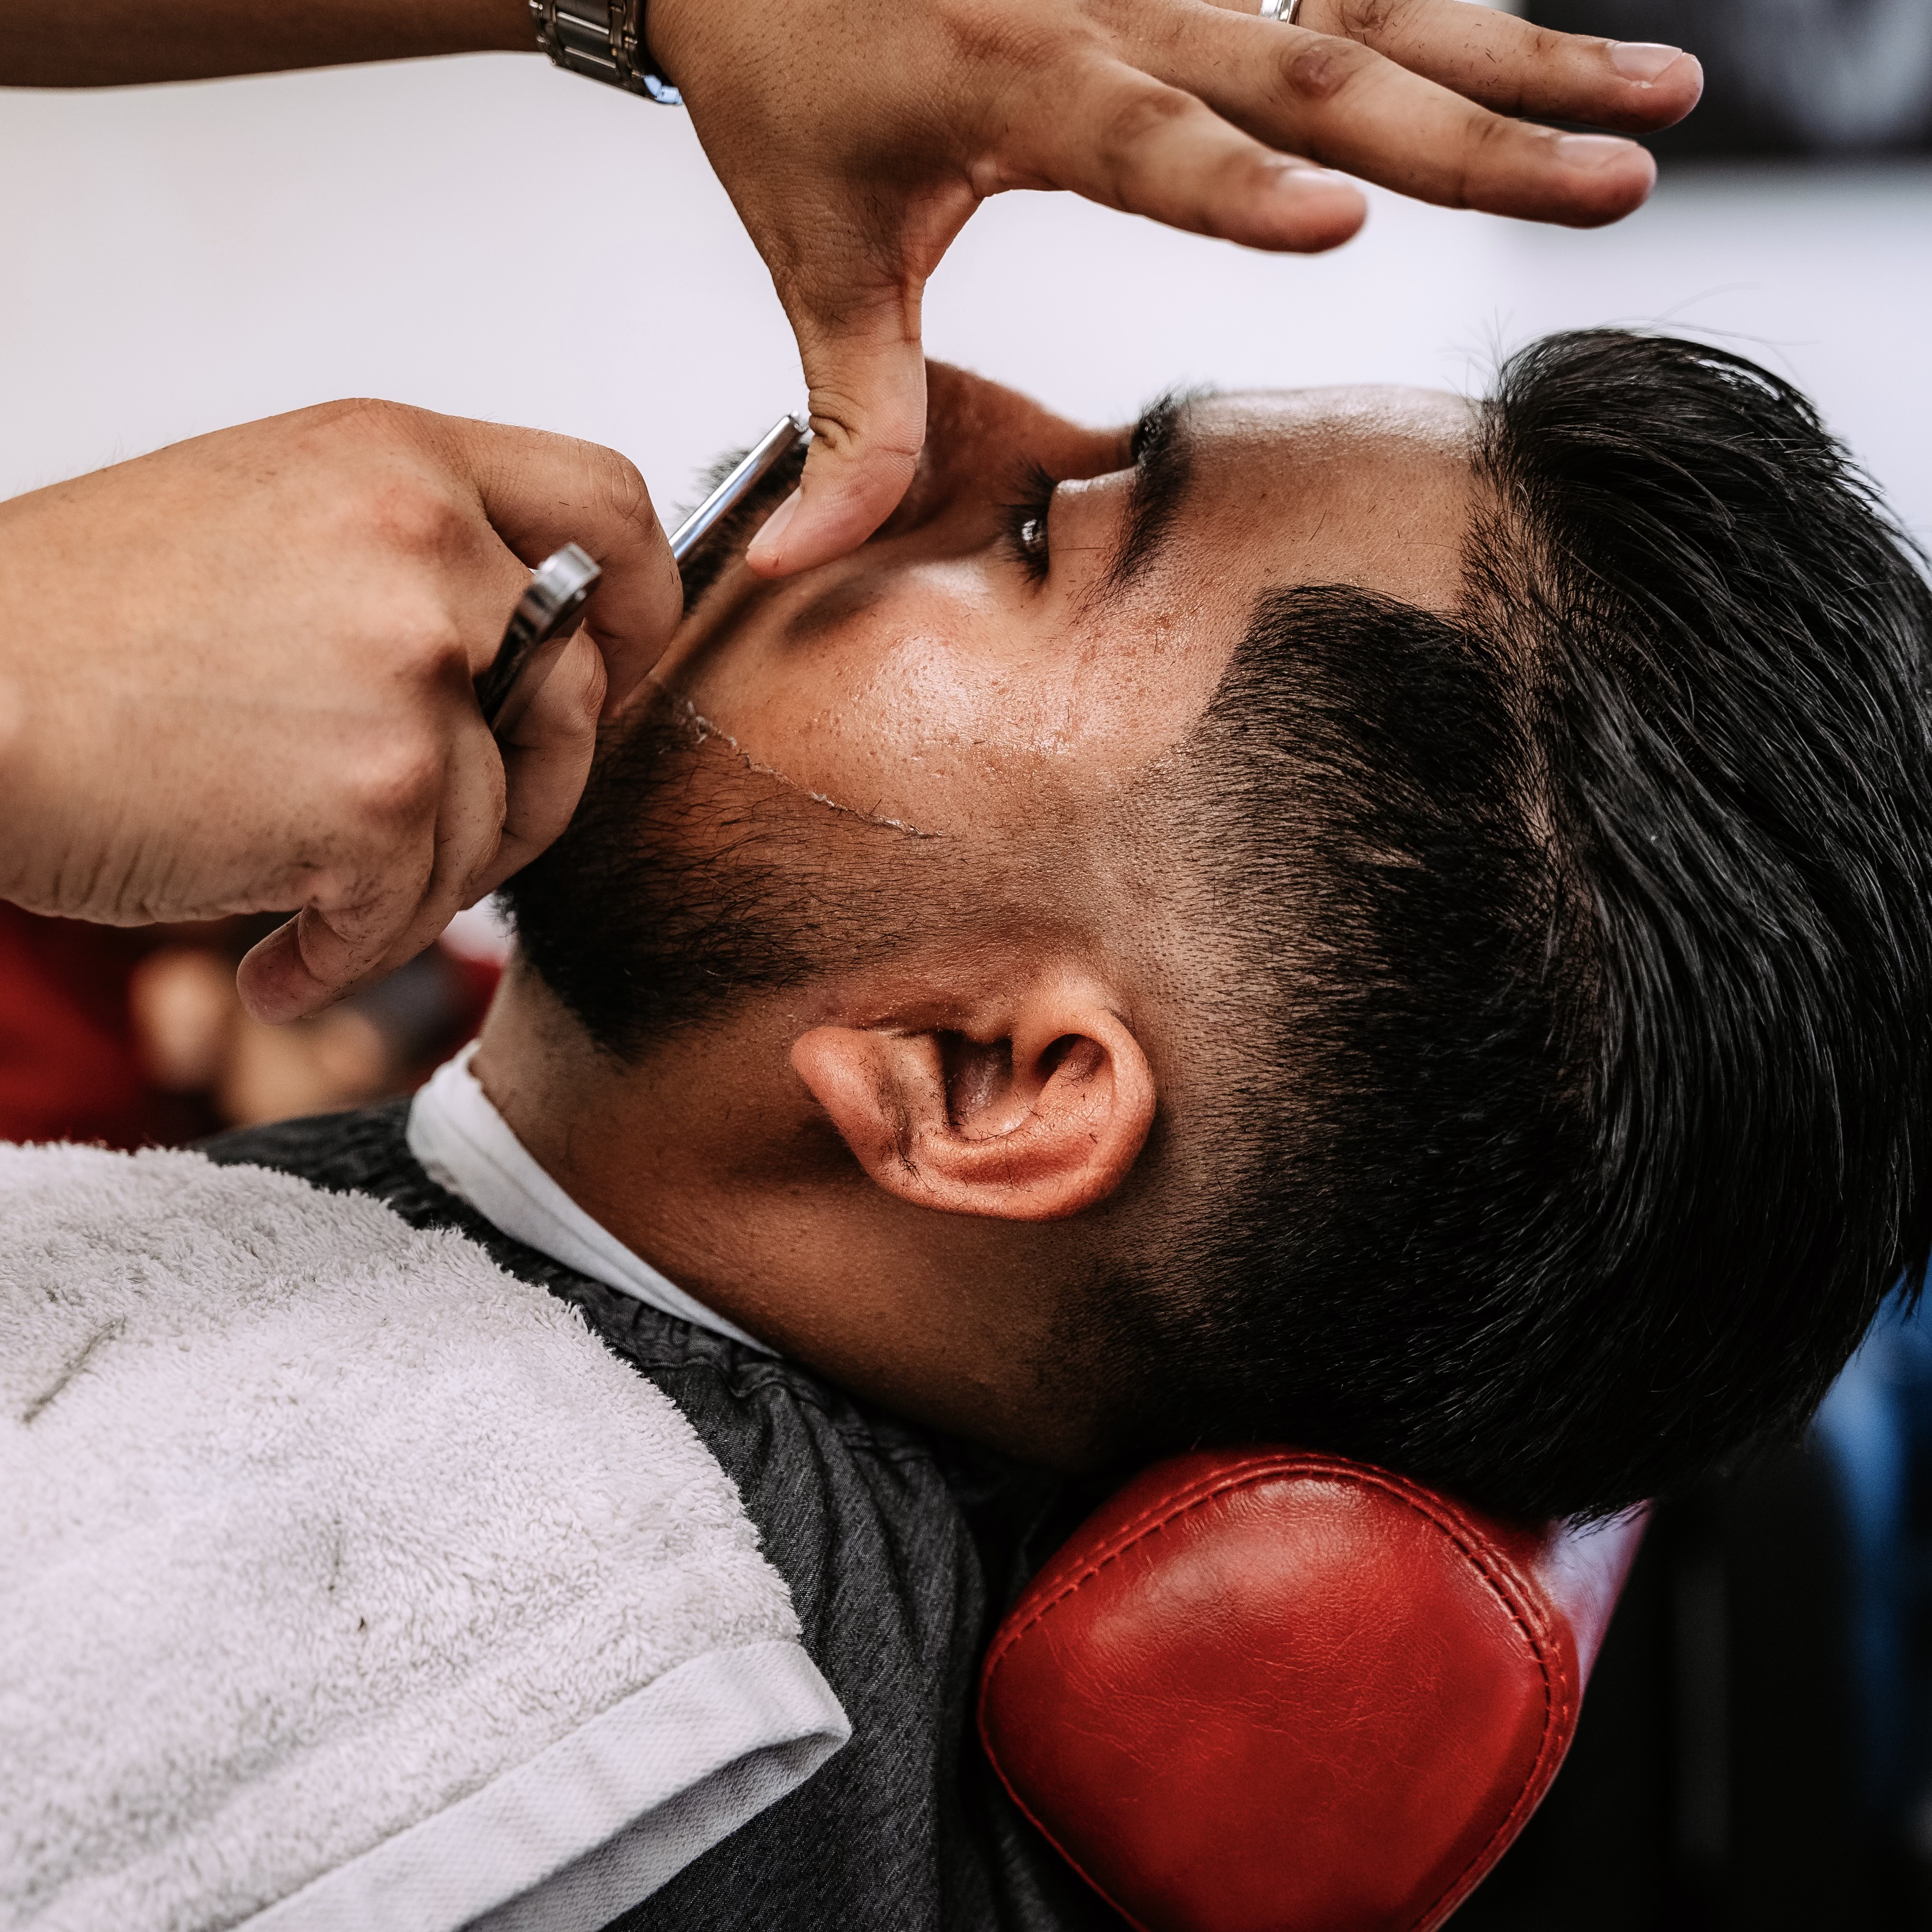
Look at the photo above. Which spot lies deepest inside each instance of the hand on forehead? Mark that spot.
(856, 137)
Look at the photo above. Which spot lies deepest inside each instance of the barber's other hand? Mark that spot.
(856, 137)
(235, 676)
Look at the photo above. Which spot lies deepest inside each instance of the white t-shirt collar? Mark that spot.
(465, 1146)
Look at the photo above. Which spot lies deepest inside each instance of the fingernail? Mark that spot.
(1642, 60)
(1298, 176)
(765, 544)
(1592, 150)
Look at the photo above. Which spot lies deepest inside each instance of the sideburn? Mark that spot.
(689, 878)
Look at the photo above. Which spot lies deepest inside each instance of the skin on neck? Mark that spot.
(910, 1177)
(715, 1160)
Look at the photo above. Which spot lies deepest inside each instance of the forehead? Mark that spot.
(1362, 485)
(1365, 487)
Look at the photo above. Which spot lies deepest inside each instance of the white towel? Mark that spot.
(346, 1581)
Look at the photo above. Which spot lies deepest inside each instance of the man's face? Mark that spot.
(1044, 613)
(991, 670)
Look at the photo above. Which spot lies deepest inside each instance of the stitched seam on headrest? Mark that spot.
(1556, 1700)
(1151, 1519)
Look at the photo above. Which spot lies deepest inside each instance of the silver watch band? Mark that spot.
(603, 39)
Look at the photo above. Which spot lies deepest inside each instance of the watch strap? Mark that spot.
(604, 40)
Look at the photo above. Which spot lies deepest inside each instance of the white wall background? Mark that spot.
(489, 237)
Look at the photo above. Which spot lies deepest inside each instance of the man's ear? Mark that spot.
(1038, 1110)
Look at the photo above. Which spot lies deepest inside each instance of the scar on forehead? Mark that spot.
(703, 728)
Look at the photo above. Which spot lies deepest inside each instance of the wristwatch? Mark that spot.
(603, 39)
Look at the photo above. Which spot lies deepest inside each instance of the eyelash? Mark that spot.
(1024, 524)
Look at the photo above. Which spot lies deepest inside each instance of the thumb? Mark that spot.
(540, 491)
(865, 374)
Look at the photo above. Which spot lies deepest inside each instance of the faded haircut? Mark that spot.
(1572, 1080)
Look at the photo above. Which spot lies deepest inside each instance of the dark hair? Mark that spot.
(1576, 1094)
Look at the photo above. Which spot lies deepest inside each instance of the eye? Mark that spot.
(1024, 523)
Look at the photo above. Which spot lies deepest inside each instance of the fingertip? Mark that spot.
(1661, 83)
(865, 386)
(1311, 209)
(583, 680)
(767, 553)
(275, 982)
(1633, 105)
(833, 511)
(1606, 178)
(1678, 91)
(813, 534)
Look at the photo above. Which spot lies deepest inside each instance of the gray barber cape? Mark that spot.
(901, 1551)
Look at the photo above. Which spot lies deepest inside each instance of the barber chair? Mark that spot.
(1268, 1691)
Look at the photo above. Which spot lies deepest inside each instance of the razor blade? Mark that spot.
(559, 585)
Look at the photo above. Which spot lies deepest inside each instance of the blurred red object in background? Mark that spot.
(69, 1067)
(135, 1037)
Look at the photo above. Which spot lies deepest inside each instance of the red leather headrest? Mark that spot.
(1277, 1692)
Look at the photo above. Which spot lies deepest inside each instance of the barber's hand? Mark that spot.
(235, 676)
(856, 137)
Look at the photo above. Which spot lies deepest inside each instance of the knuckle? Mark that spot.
(1323, 68)
(620, 486)
(424, 647)
(837, 419)
(1366, 20)
(367, 418)
(1139, 116)
(1488, 138)
(398, 783)
(413, 518)
(850, 431)
(1541, 53)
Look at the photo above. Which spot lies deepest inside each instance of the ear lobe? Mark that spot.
(1043, 1118)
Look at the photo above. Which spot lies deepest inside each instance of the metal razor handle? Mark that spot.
(547, 609)
(750, 470)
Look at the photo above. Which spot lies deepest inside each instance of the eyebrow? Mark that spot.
(1162, 452)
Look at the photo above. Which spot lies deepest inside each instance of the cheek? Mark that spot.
(903, 707)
